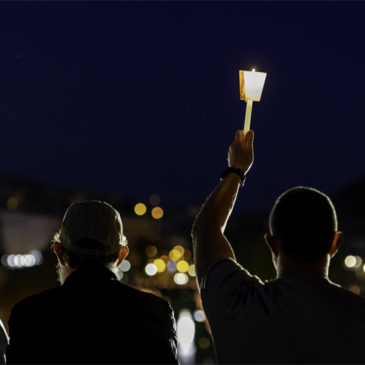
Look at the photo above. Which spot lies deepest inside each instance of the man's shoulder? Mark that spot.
(124, 296)
(346, 295)
(311, 286)
(29, 311)
(37, 299)
(145, 300)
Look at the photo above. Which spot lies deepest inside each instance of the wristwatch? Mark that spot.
(233, 170)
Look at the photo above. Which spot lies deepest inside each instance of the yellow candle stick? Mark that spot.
(248, 115)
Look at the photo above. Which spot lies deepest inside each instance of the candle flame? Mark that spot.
(253, 70)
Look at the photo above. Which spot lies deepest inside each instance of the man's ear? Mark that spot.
(336, 243)
(272, 243)
(58, 250)
(123, 252)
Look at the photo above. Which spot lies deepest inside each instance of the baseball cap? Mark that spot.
(92, 227)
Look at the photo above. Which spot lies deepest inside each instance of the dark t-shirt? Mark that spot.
(92, 318)
(298, 318)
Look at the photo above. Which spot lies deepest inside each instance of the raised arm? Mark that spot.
(209, 241)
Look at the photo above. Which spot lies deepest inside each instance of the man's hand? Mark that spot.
(240, 153)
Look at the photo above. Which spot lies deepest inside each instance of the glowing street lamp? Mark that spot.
(251, 85)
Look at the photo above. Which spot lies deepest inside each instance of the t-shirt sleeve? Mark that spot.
(224, 283)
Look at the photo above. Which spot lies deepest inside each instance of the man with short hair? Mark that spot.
(301, 316)
(92, 317)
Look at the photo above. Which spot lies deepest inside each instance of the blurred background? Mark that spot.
(136, 103)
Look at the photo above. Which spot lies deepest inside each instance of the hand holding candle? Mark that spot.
(240, 153)
(251, 85)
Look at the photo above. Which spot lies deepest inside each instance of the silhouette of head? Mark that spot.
(91, 234)
(304, 223)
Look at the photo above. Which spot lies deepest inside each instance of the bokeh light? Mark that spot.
(187, 255)
(174, 255)
(160, 264)
(355, 289)
(151, 251)
(157, 213)
(12, 203)
(155, 199)
(171, 266)
(185, 332)
(182, 266)
(204, 343)
(140, 209)
(180, 249)
(150, 269)
(191, 270)
(125, 266)
(358, 261)
(180, 278)
(34, 258)
(199, 315)
(165, 258)
(350, 261)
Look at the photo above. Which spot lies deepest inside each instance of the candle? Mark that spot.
(251, 86)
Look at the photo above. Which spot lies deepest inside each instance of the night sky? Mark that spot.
(141, 98)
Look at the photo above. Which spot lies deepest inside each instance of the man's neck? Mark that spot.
(63, 272)
(288, 265)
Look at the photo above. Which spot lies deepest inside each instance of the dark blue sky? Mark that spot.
(143, 98)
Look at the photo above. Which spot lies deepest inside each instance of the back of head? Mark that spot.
(304, 221)
(91, 233)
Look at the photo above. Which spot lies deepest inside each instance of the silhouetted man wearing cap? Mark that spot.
(301, 316)
(91, 317)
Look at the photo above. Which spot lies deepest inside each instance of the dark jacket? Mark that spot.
(3, 342)
(92, 318)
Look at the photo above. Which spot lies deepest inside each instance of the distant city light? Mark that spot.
(185, 334)
(151, 251)
(125, 266)
(12, 203)
(38, 256)
(157, 213)
(191, 270)
(182, 266)
(180, 249)
(171, 266)
(176, 253)
(150, 269)
(199, 315)
(160, 264)
(180, 278)
(165, 258)
(140, 209)
(187, 255)
(350, 261)
(155, 199)
(204, 343)
(355, 289)
(358, 261)
(34, 258)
